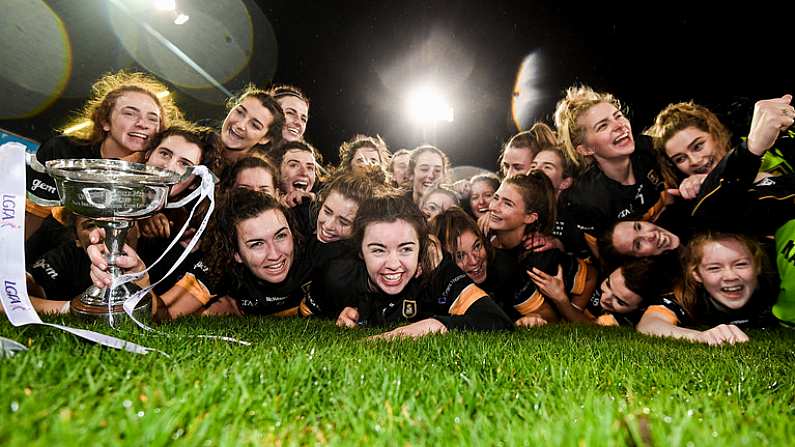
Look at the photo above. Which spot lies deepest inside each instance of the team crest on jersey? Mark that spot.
(409, 308)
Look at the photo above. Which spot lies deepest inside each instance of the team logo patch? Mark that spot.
(409, 308)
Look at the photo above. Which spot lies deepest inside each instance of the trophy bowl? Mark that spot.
(114, 193)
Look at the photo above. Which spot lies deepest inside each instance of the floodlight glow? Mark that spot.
(166, 5)
(81, 125)
(181, 18)
(425, 105)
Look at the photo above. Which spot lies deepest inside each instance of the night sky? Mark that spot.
(356, 61)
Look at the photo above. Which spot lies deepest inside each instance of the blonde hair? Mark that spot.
(680, 116)
(578, 100)
(104, 94)
(539, 137)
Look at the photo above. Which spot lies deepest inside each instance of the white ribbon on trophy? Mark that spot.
(13, 290)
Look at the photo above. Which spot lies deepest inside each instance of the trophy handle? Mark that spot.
(34, 163)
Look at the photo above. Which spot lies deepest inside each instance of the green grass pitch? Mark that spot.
(306, 382)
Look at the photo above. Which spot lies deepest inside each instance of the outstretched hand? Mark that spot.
(771, 117)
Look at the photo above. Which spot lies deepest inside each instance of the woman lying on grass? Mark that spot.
(398, 276)
(252, 262)
(723, 287)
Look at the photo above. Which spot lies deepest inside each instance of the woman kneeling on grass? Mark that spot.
(395, 277)
(723, 287)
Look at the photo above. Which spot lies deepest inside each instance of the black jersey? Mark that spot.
(508, 282)
(63, 272)
(61, 147)
(49, 235)
(565, 229)
(709, 312)
(596, 201)
(730, 201)
(447, 295)
(255, 296)
(604, 318)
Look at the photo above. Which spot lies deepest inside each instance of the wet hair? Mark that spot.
(539, 137)
(419, 150)
(538, 195)
(689, 296)
(441, 190)
(391, 166)
(677, 117)
(267, 101)
(106, 90)
(650, 277)
(277, 154)
(279, 91)
(253, 162)
(355, 187)
(489, 178)
(578, 100)
(349, 148)
(391, 207)
(205, 138)
(451, 224)
(220, 243)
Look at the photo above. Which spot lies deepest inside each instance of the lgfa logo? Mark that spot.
(9, 212)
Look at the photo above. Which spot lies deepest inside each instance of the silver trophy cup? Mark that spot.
(115, 193)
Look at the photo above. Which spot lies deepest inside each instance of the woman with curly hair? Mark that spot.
(123, 113)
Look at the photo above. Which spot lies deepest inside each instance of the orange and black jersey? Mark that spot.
(507, 280)
(255, 296)
(63, 272)
(596, 201)
(447, 295)
(730, 201)
(42, 185)
(604, 318)
(709, 313)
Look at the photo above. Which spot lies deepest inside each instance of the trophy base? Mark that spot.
(93, 305)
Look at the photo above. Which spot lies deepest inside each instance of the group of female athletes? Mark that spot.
(679, 229)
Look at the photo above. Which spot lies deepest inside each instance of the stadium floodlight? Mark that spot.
(181, 18)
(426, 105)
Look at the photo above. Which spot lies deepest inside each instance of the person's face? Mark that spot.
(435, 204)
(176, 154)
(516, 160)
(335, 219)
(608, 134)
(507, 209)
(391, 252)
(246, 125)
(694, 151)
(265, 246)
(134, 119)
(256, 179)
(470, 257)
(428, 171)
(296, 115)
(297, 171)
(364, 157)
(480, 197)
(400, 170)
(641, 239)
(616, 297)
(83, 228)
(550, 164)
(727, 272)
